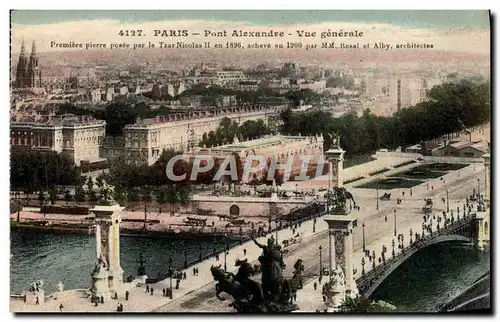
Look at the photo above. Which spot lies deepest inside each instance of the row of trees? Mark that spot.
(228, 130)
(449, 106)
(89, 190)
(32, 170)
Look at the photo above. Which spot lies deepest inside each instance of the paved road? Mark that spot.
(377, 230)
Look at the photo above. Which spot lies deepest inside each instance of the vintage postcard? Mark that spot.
(250, 161)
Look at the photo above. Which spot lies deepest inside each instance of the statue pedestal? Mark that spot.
(100, 284)
(336, 293)
(31, 297)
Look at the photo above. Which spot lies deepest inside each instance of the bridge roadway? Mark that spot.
(378, 232)
(196, 293)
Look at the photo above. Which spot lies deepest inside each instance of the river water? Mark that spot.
(422, 284)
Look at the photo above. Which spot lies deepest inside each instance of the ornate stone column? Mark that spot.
(107, 277)
(341, 228)
(335, 158)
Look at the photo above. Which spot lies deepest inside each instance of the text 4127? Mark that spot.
(130, 33)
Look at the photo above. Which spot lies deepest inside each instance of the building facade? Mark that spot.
(78, 136)
(145, 140)
(279, 148)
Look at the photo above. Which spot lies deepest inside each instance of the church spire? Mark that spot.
(23, 50)
(22, 64)
(33, 49)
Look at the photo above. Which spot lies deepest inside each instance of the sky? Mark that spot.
(460, 31)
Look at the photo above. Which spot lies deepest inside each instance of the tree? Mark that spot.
(68, 197)
(133, 195)
(79, 194)
(173, 198)
(90, 184)
(92, 196)
(53, 195)
(41, 198)
(183, 196)
(100, 181)
(161, 196)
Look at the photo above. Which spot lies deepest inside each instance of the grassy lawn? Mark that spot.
(441, 167)
(357, 160)
(390, 183)
(419, 174)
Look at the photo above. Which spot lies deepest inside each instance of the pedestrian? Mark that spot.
(194, 271)
(37, 301)
(116, 296)
(102, 299)
(315, 286)
(324, 298)
(385, 218)
(96, 303)
(164, 292)
(126, 295)
(177, 284)
(184, 276)
(147, 288)
(61, 307)
(118, 308)
(152, 291)
(121, 307)
(244, 252)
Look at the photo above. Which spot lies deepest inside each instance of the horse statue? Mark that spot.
(244, 300)
(291, 286)
(338, 198)
(274, 294)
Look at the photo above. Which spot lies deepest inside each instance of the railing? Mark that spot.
(368, 278)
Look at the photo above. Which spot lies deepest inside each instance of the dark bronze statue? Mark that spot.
(338, 198)
(274, 294)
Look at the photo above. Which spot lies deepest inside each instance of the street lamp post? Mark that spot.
(364, 246)
(394, 222)
(447, 202)
(411, 236)
(377, 198)
(277, 231)
(185, 259)
(320, 262)
(270, 230)
(393, 252)
(478, 188)
(225, 255)
(171, 273)
(363, 265)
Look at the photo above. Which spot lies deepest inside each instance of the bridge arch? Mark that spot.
(409, 252)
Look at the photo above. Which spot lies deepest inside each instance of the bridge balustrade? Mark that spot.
(369, 278)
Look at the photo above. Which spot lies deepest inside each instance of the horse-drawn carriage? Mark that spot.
(386, 197)
(427, 209)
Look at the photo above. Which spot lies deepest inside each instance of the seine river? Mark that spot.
(423, 284)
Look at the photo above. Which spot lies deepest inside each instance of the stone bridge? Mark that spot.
(462, 230)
